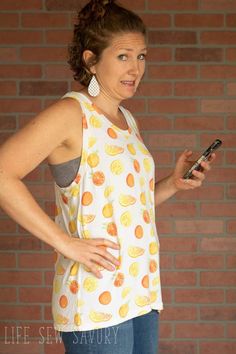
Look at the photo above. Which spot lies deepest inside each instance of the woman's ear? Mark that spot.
(89, 59)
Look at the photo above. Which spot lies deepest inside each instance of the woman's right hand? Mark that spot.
(92, 253)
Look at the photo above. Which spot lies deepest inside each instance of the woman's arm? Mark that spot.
(23, 152)
(168, 186)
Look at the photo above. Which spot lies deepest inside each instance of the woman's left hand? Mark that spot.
(182, 165)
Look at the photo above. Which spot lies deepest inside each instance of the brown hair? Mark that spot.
(98, 22)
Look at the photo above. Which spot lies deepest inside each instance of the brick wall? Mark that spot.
(187, 99)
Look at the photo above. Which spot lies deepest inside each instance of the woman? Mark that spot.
(107, 270)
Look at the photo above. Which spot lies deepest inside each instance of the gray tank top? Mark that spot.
(64, 173)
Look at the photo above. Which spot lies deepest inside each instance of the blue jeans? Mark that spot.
(136, 336)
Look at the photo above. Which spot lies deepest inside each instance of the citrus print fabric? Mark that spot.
(112, 196)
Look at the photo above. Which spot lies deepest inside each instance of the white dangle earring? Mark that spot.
(93, 87)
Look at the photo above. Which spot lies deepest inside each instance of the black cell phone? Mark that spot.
(205, 156)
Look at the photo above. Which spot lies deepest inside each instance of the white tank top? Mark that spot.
(112, 196)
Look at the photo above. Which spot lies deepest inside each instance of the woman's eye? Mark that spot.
(142, 56)
(122, 57)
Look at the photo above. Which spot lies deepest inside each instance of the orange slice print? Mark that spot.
(138, 231)
(87, 198)
(136, 166)
(113, 150)
(63, 301)
(111, 132)
(98, 178)
(119, 280)
(93, 159)
(112, 229)
(153, 266)
(105, 298)
(74, 286)
(130, 180)
(145, 281)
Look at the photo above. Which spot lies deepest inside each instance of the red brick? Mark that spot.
(7, 226)
(36, 260)
(20, 71)
(218, 37)
(19, 243)
(231, 226)
(218, 278)
(199, 20)
(229, 140)
(154, 123)
(230, 54)
(218, 244)
(201, 330)
(174, 313)
(218, 313)
(49, 275)
(7, 88)
(57, 71)
(209, 192)
(159, 54)
(199, 89)
(178, 244)
(21, 4)
(62, 37)
(158, 141)
(154, 89)
(20, 278)
(230, 20)
(199, 296)
(19, 312)
(199, 122)
(218, 348)
(31, 295)
(166, 330)
(173, 106)
(20, 105)
(172, 72)
(4, 137)
(21, 37)
(231, 330)
(172, 37)
(167, 295)
(43, 88)
(218, 106)
(8, 122)
(8, 20)
(218, 72)
(231, 89)
(218, 5)
(34, 175)
(156, 20)
(188, 261)
(8, 295)
(231, 157)
(178, 347)
(7, 260)
(8, 55)
(166, 262)
(162, 158)
(220, 209)
(231, 261)
(137, 105)
(173, 5)
(21, 348)
(164, 227)
(42, 54)
(44, 20)
(199, 226)
(231, 123)
(199, 54)
(231, 296)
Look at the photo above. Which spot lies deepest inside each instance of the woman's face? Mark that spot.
(121, 66)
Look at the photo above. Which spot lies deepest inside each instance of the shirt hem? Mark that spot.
(72, 328)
